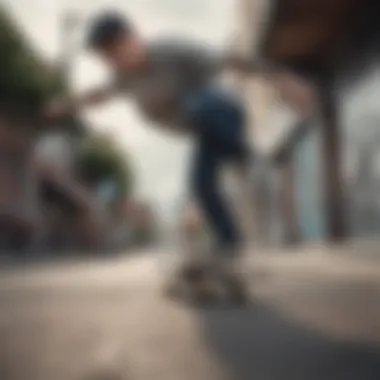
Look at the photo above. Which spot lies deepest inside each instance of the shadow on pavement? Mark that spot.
(102, 375)
(259, 343)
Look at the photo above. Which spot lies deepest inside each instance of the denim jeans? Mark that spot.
(218, 123)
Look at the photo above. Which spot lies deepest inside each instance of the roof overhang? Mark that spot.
(317, 35)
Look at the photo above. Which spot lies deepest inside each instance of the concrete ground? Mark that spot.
(315, 315)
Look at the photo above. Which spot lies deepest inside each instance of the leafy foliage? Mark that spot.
(100, 160)
(24, 78)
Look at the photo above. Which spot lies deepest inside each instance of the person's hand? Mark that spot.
(237, 62)
(297, 92)
(241, 64)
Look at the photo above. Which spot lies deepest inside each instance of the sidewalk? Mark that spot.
(356, 259)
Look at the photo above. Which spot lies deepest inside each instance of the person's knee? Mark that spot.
(200, 111)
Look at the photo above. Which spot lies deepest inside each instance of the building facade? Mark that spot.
(318, 168)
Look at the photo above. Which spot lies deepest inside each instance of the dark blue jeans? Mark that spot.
(219, 127)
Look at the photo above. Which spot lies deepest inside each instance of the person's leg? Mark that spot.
(219, 125)
(216, 209)
(206, 188)
(221, 121)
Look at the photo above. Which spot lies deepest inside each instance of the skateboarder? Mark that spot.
(173, 83)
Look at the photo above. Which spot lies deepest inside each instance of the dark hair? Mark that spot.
(106, 28)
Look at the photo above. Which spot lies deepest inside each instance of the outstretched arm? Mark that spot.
(64, 107)
(244, 65)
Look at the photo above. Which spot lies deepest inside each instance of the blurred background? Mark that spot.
(106, 181)
(109, 159)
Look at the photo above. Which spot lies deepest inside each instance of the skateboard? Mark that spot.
(200, 284)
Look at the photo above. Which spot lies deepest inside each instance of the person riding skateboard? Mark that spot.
(174, 84)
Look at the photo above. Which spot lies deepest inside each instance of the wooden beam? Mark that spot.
(289, 214)
(332, 162)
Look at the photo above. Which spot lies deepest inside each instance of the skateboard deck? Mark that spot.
(200, 285)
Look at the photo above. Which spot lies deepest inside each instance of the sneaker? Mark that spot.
(231, 272)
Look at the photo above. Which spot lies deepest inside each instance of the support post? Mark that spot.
(332, 162)
(290, 222)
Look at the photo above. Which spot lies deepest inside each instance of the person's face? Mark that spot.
(125, 54)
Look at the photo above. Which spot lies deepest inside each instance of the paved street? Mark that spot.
(315, 317)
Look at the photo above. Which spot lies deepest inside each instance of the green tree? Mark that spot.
(27, 81)
(24, 76)
(101, 161)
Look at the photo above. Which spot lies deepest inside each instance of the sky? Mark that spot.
(161, 160)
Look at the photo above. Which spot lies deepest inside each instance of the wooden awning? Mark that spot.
(315, 35)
